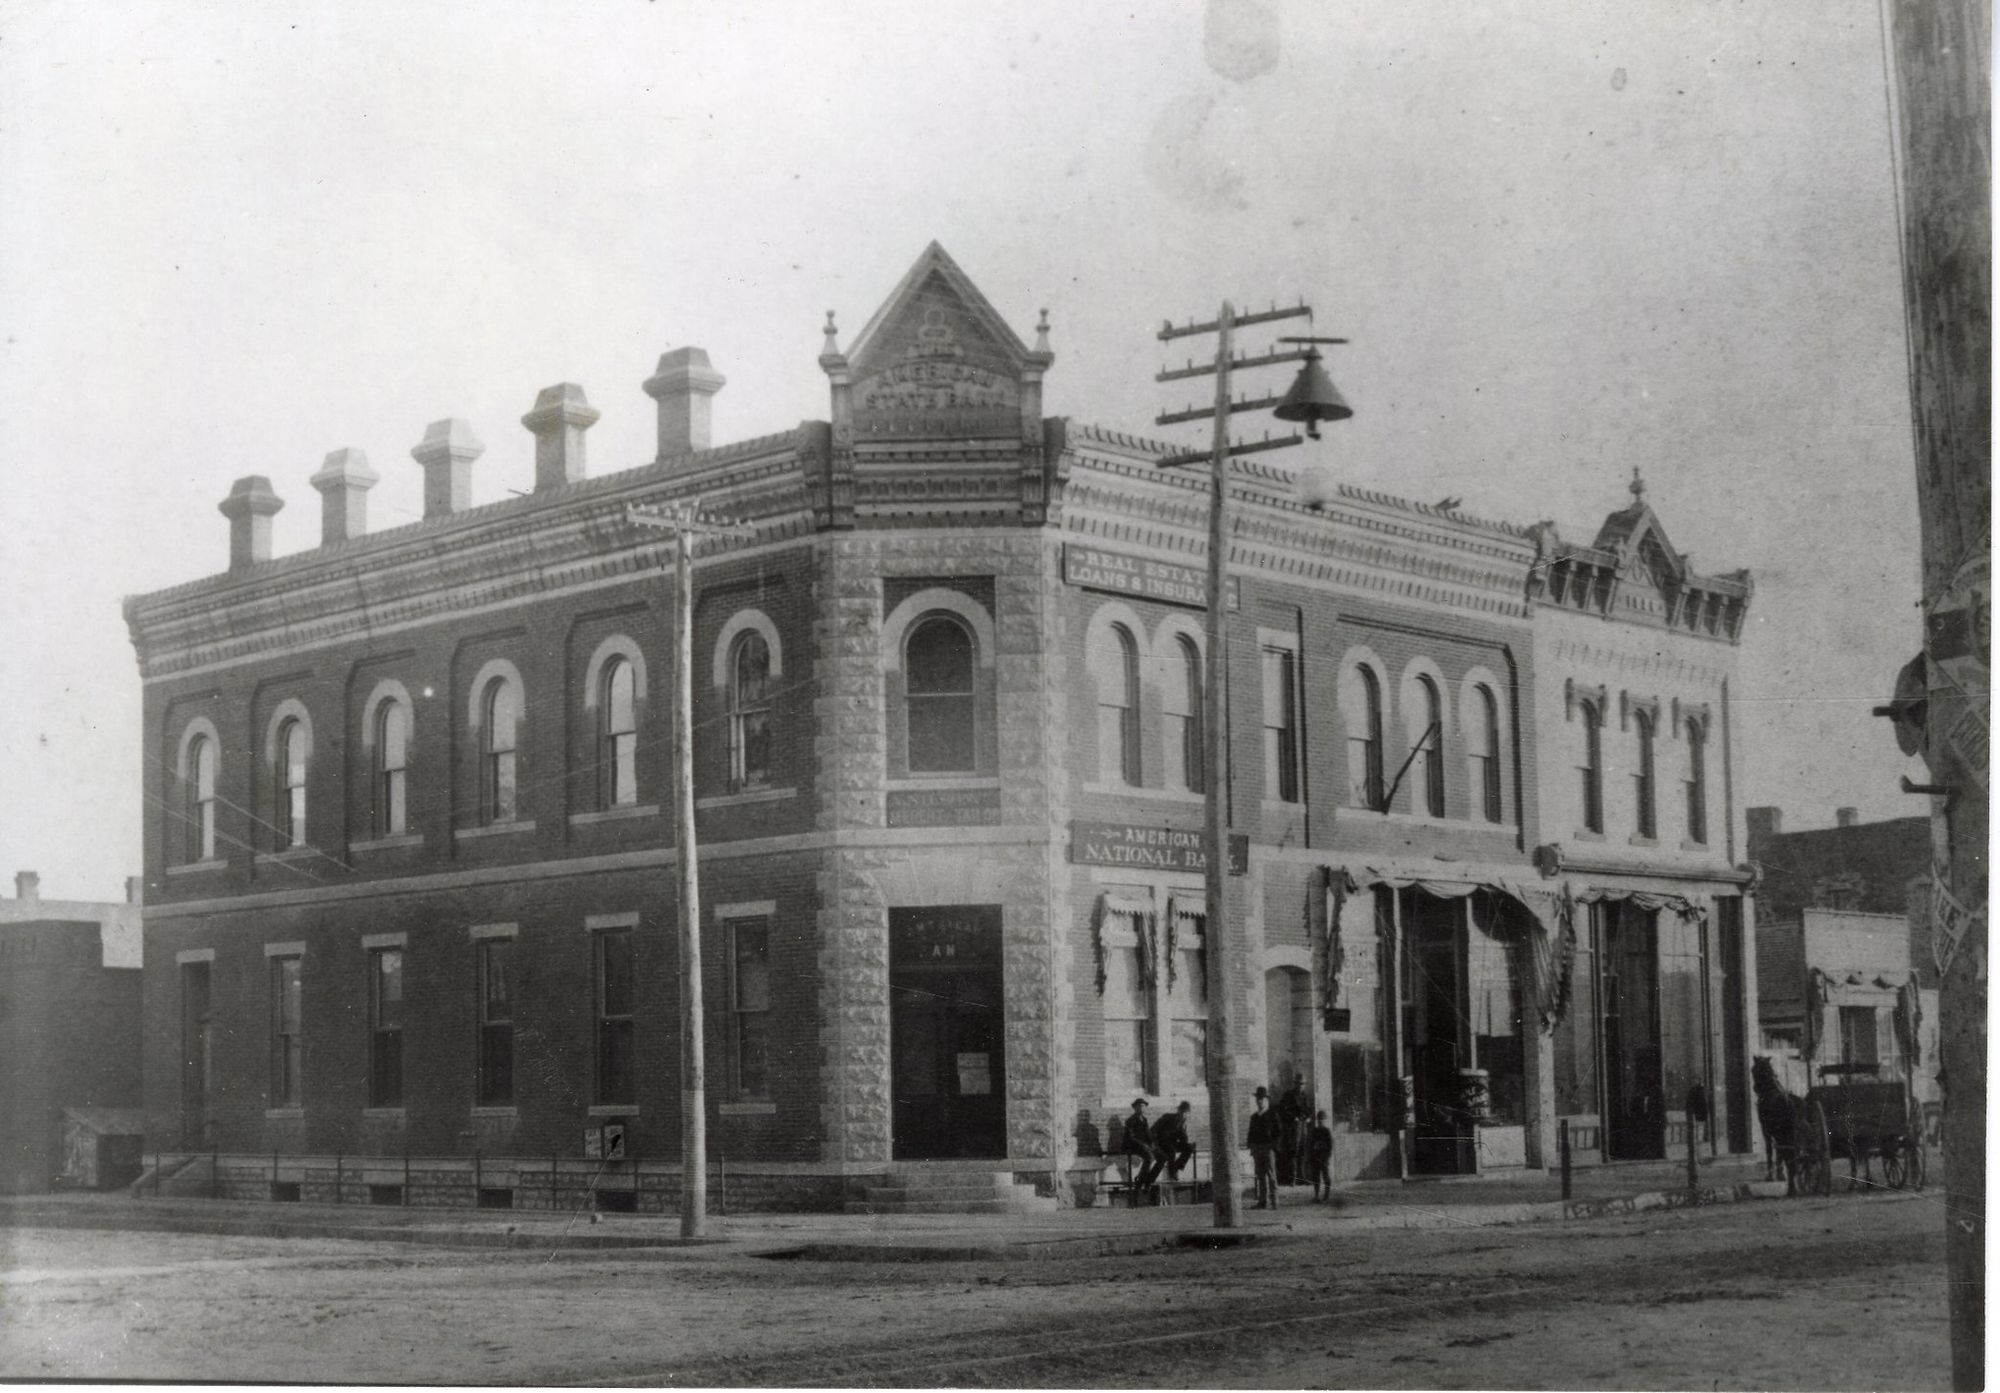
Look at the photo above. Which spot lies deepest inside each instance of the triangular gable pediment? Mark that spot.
(1635, 533)
(937, 351)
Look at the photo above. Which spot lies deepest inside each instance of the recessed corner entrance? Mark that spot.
(947, 1033)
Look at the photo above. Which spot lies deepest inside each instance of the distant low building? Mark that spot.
(69, 1023)
(1845, 974)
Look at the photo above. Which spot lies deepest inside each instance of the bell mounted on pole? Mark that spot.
(1313, 397)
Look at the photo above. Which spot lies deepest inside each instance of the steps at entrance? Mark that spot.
(950, 1190)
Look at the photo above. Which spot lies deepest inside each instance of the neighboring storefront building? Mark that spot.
(413, 851)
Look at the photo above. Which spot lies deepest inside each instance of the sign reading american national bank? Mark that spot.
(1095, 568)
(1132, 845)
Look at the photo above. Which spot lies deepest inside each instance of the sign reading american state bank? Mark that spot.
(1095, 568)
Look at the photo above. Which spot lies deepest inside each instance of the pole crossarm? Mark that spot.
(689, 519)
(1202, 413)
(1248, 447)
(1235, 364)
(1181, 331)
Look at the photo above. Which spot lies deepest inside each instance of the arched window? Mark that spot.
(1591, 771)
(1181, 703)
(617, 736)
(1281, 725)
(1642, 777)
(291, 783)
(1485, 755)
(392, 756)
(938, 660)
(1364, 745)
(750, 711)
(1115, 661)
(198, 788)
(1430, 747)
(501, 710)
(1697, 782)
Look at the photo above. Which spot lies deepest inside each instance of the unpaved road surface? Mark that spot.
(1845, 1292)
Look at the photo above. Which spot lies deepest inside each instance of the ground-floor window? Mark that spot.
(750, 1007)
(1152, 950)
(613, 949)
(496, 1022)
(385, 1028)
(287, 1038)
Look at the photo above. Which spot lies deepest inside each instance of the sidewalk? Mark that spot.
(1473, 1202)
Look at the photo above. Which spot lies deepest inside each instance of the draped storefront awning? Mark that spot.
(1139, 914)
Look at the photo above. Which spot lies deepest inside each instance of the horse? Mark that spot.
(1782, 1115)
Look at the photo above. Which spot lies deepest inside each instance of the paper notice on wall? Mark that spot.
(1951, 923)
(975, 1075)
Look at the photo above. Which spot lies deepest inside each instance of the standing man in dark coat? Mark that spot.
(1263, 1141)
(1319, 1153)
(1293, 1110)
(1139, 1143)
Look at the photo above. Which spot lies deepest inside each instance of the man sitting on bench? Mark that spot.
(1170, 1139)
(1139, 1143)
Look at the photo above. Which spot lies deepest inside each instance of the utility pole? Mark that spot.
(686, 523)
(1224, 992)
(1938, 62)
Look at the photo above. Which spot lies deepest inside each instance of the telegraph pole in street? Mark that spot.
(1311, 399)
(686, 523)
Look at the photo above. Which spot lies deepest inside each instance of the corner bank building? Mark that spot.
(410, 909)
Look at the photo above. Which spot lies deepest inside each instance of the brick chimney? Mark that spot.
(560, 417)
(446, 452)
(682, 384)
(135, 889)
(27, 886)
(1761, 823)
(249, 508)
(1846, 817)
(343, 483)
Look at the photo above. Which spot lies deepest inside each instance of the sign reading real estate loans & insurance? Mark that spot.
(1095, 568)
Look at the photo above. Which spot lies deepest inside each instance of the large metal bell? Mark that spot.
(1313, 397)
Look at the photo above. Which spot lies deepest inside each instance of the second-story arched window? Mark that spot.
(1697, 781)
(291, 784)
(617, 736)
(392, 757)
(499, 732)
(750, 711)
(1430, 748)
(198, 790)
(1642, 776)
(1181, 703)
(1590, 772)
(939, 661)
(1115, 664)
(1364, 744)
(1483, 759)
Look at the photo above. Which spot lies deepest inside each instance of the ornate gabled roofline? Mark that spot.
(934, 258)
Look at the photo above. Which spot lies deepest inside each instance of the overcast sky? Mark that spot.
(1565, 240)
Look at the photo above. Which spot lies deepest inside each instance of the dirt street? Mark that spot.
(1840, 1293)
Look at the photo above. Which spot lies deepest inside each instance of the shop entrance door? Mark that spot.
(1634, 1091)
(1735, 1044)
(947, 1036)
(1442, 1141)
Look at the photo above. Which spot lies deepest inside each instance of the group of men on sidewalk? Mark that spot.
(1279, 1140)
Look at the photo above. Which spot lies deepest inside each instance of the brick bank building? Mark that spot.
(410, 909)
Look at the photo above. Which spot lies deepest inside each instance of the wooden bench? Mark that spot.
(1115, 1179)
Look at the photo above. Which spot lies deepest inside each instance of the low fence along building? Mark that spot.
(415, 931)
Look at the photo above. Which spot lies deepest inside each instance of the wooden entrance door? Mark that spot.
(1634, 1089)
(947, 1034)
(1442, 1141)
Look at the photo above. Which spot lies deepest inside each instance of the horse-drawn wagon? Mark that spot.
(1849, 1114)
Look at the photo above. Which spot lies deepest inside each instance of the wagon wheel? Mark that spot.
(1896, 1163)
(1816, 1154)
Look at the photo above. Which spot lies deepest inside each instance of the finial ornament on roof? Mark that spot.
(1638, 486)
(832, 342)
(1042, 334)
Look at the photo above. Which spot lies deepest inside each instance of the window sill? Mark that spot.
(613, 1110)
(492, 829)
(903, 781)
(386, 1114)
(385, 843)
(1165, 795)
(747, 1110)
(1583, 836)
(748, 795)
(1694, 846)
(1456, 824)
(1636, 840)
(496, 1110)
(283, 1114)
(619, 814)
(191, 867)
(279, 858)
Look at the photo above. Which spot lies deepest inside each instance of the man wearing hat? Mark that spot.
(1139, 1142)
(1264, 1149)
(1170, 1138)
